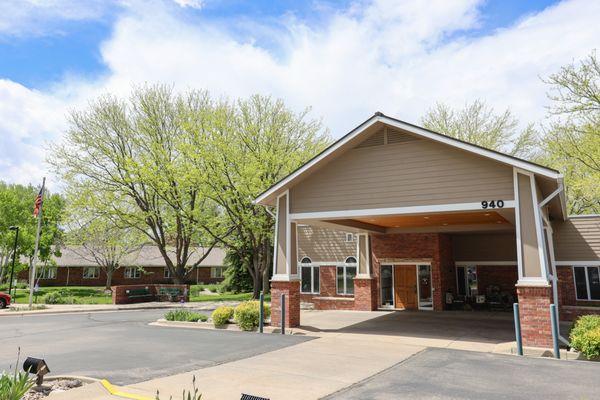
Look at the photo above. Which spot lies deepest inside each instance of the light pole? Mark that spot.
(12, 270)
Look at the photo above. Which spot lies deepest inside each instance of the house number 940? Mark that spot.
(492, 204)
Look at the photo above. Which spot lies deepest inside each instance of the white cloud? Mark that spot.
(198, 4)
(395, 57)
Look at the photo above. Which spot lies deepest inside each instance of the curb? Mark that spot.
(229, 327)
(76, 311)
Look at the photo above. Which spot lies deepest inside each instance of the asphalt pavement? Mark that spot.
(122, 347)
(436, 373)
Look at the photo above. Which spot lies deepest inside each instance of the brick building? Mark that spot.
(393, 216)
(76, 267)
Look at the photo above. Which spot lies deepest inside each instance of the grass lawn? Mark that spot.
(96, 295)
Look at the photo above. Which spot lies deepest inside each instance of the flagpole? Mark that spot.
(37, 243)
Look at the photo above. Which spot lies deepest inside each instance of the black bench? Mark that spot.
(138, 293)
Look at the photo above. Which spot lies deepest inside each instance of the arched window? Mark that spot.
(309, 276)
(345, 276)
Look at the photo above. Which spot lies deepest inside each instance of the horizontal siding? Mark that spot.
(485, 247)
(413, 173)
(577, 239)
(324, 245)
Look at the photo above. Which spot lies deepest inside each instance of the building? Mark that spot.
(395, 216)
(76, 267)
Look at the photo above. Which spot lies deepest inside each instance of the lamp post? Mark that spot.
(12, 270)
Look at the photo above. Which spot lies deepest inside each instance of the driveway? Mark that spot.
(121, 347)
(454, 374)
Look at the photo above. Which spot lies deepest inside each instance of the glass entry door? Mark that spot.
(387, 286)
(425, 288)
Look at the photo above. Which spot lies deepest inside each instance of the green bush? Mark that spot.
(585, 336)
(247, 314)
(59, 297)
(222, 315)
(185, 315)
(13, 386)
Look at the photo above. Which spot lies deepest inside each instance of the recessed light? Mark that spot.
(372, 220)
(445, 223)
(396, 226)
(426, 217)
(498, 222)
(487, 214)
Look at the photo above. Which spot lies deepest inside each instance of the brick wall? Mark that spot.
(534, 309)
(365, 295)
(121, 293)
(324, 300)
(570, 307)
(504, 276)
(73, 276)
(292, 303)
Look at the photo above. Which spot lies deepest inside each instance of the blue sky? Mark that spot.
(72, 47)
(344, 59)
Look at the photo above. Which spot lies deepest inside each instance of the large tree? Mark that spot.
(572, 140)
(16, 209)
(245, 148)
(479, 124)
(125, 157)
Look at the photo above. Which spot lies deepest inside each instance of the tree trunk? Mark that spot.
(109, 276)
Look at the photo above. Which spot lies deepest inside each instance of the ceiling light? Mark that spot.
(426, 217)
(487, 214)
(498, 222)
(445, 223)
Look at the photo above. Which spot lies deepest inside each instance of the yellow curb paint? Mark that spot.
(115, 392)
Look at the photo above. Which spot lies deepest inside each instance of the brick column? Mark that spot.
(534, 310)
(291, 289)
(365, 295)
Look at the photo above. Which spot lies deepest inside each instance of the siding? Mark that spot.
(280, 260)
(485, 247)
(529, 241)
(324, 245)
(577, 239)
(407, 173)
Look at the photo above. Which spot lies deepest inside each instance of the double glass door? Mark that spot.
(406, 287)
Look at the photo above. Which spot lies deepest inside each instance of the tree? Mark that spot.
(16, 208)
(95, 238)
(248, 146)
(478, 123)
(572, 139)
(125, 157)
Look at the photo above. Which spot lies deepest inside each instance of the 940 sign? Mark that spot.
(492, 204)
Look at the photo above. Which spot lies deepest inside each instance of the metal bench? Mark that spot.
(138, 293)
(169, 293)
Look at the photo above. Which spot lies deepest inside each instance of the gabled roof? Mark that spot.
(379, 117)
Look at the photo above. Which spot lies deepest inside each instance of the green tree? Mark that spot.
(248, 146)
(16, 209)
(572, 139)
(479, 124)
(125, 157)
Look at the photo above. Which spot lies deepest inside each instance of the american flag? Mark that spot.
(38, 203)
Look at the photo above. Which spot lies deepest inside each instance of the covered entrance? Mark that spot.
(406, 287)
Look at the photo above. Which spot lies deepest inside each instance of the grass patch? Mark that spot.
(226, 297)
(80, 295)
(185, 315)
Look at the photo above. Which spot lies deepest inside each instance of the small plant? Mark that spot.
(191, 395)
(185, 315)
(247, 314)
(59, 297)
(222, 315)
(14, 386)
(585, 336)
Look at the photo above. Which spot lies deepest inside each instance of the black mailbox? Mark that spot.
(36, 366)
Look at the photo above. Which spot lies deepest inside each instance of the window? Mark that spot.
(167, 274)
(91, 273)
(349, 237)
(466, 280)
(587, 283)
(217, 272)
(309, 275)
(46, 273)
(345, 277)
(132, 273)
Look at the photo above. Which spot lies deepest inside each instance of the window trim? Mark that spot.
(345, 267)
(213, 273)
(306, 262)
(40, 274)
(351, 236)
(137, 274)
(167, 273)
(587, 281)
(96, 274)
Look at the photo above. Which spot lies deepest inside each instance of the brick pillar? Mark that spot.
(365, 296)
(534, 310)
(291, 289)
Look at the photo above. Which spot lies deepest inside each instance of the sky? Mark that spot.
(344, 59)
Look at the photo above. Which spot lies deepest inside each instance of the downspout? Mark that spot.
(550, 245)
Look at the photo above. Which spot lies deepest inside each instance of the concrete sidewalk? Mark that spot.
(309, 370)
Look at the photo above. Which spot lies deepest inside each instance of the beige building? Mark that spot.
(394, 216)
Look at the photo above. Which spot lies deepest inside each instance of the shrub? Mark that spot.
(13, 386)
(222, 315)
(585, 336)
(247, 314)
(185, 315)
(58, 297)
